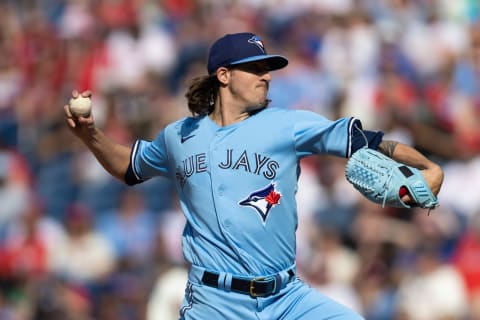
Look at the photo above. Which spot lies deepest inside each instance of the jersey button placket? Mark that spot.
(218, 186)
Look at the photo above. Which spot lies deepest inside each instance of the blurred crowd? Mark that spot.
(77, 244)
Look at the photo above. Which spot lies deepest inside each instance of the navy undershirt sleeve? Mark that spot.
(130, 177)
(361, 137)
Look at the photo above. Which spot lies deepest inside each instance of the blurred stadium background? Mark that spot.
(76, 244)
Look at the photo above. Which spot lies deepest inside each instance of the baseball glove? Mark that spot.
(380, 179)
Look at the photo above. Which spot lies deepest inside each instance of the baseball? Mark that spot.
(80, 106)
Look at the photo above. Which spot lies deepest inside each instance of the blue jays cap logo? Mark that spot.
(258, 42)
(262, 200)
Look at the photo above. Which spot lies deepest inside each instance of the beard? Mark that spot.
(261, 106)
(265, 103)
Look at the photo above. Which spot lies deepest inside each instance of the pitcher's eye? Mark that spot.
(259, 67)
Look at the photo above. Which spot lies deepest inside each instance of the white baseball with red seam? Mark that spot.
(80, 106)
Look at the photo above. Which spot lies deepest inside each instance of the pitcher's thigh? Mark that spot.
(206, 303)
(306, 303)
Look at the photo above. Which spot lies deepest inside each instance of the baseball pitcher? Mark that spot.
(235, 163)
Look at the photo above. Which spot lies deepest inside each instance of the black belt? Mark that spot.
(255, 287)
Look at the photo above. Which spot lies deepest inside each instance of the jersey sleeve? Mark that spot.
(147, 159)
(315, 134)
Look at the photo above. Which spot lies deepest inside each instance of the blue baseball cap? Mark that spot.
(237, 48)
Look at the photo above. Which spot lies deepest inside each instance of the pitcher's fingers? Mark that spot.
(71, 122)
(67, 111)
(83, 121)
(69, 117)
(87, 94)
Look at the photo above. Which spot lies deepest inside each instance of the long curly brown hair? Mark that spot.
(201, 94)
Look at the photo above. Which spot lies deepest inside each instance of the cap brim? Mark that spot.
(274, 62)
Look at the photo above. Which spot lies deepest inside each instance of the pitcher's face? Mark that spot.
(249, 84)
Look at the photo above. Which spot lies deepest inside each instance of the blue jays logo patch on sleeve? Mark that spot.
(262, 200)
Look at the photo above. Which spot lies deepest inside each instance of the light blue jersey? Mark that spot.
(237, 187)
(236, 183)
